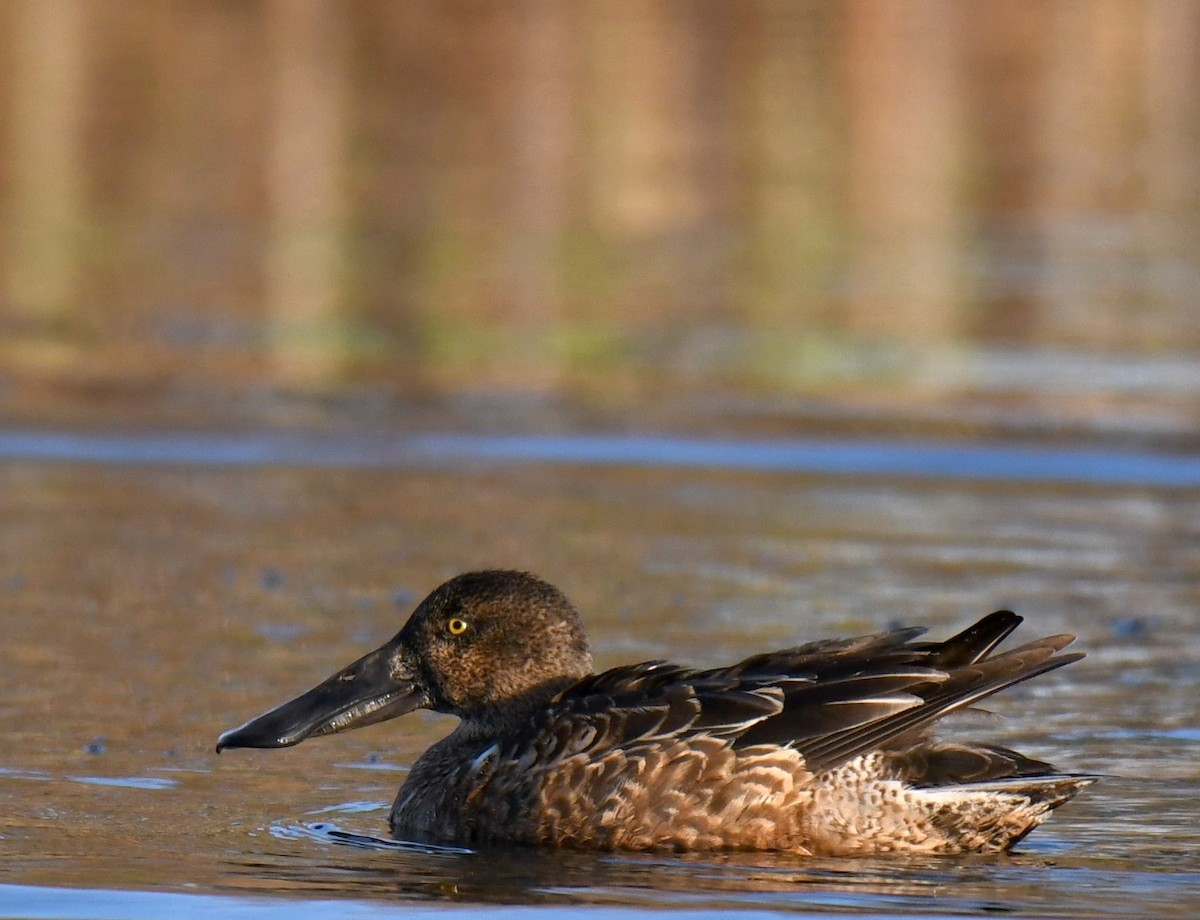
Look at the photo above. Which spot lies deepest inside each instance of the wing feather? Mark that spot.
(831, 700)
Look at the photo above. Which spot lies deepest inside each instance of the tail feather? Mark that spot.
(964, 687)
(975, 642)
(1048, 791)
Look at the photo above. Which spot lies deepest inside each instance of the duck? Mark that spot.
(822, 749)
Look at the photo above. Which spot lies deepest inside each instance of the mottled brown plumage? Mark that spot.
(819, 749)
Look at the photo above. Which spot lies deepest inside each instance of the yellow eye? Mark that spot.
(457, 626)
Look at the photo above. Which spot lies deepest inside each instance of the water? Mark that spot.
(156, 591)
(931, 459)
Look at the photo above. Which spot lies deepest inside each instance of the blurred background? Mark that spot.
(746, 323)
(926, 213)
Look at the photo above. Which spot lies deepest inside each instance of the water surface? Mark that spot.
(148, 603)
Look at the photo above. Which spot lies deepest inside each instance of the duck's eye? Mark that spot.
(457, 626)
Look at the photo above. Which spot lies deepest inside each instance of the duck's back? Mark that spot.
(816, 749)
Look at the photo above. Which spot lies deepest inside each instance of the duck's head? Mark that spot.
(483, 645)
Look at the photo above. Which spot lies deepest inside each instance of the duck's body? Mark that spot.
(819, 749)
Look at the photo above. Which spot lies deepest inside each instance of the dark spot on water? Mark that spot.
(403, 598)
(16, 581)
(373, 758)
(271, 579)
(96, 746)
(171, 752)
(1130, 627)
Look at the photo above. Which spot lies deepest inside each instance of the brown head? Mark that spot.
(484, 646)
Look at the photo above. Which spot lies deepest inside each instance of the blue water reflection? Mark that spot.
(923, 459)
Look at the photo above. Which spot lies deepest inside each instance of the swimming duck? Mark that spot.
(821, 749)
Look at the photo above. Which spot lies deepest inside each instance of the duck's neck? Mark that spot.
(434, 795)
(511, 714)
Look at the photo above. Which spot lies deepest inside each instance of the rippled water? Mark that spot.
(151, 597)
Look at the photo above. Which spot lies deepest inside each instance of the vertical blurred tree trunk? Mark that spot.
(647, 194)
(306, 270)
(48, 214)
(1171, 241)
(797, 167)
(1092, 124)
(905, 169)
(544, 133)
(640, 75)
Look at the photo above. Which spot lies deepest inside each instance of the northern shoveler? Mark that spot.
(818, 749)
